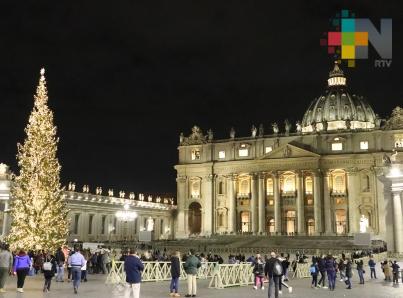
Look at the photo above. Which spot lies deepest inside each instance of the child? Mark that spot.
(49, 270)
(258, 270)
(314, 270)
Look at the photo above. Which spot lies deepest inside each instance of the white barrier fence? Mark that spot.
(157, 271)
(231, 275)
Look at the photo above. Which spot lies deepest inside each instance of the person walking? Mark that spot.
(6, 265)
(60, 260)
(191, 265)
(395, 271)
(348, 273)
(258, 271)
(322, 270)
(133, 268)
(341, 266)
(76, 261)
(273, 271)
(360, 270)
(330, 265)
(314, 270)
(175, 274)
(387, 271)
(371, 265)
(22, 263)
(49, 270)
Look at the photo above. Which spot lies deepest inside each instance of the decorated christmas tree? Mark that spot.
(38, 207)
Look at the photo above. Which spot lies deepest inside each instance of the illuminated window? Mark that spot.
(268, 149)
(337, 146)
(195, 189)
(288, 184)
(364, 145)
(245, 221)
(243, 152)
(269, 186)
(196, 154)
(244, 187)
(339, 183)
(308, 185)
(221, 154)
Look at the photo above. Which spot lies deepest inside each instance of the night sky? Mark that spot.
(126, 77)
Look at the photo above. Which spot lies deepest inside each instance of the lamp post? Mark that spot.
(126, 215)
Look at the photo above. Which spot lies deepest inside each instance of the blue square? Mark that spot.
(348, 25)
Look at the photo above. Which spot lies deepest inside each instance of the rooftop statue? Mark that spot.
(261, 130)
(287, 126)
(275, 128)
(254, 131)
(232, 133)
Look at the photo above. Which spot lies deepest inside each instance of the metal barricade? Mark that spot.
(231, 275)
(156, 271)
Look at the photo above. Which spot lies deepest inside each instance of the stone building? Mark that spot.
(93, 216)
(325, 177)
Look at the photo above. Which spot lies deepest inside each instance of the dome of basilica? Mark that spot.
(337, 109)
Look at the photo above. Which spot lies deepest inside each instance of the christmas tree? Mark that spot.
(38, 207)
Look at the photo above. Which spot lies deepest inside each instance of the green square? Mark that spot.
(347, 38)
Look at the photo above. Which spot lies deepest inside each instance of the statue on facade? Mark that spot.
(232, 133)
(378, 121)
(141, 197)
(325, 125)
(348, 123)
(210, 135)
(287, 126)
(386, 160)
(73, 186)
(261, 130)
(299, 127)
(150, 198)
(181, 138)
(275, 128)
(110, 192)
(363, 224)
(150, 224)
(253, 131)
(132, 196)
(69, 187)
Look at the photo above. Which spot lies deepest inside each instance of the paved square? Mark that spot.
(96, 288)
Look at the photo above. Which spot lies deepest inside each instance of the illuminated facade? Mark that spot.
(318, 180)
(93, 216)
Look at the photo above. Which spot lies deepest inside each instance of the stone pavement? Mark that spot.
(95, 288)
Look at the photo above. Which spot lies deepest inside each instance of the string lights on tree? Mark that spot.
(38, 207)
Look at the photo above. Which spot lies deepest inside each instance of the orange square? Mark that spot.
(361, 38)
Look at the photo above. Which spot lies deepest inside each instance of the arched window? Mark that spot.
(308, 185)
(220, 188)
(244, 186)
(271, 226)
(288, 184)
(245, 221)
(339, 182)
(270, 187)
(366, 185)
(195, 189)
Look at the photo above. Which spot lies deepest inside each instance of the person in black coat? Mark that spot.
(274, 279)
(49, 270)
(175, 274)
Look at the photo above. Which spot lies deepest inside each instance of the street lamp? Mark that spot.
(126, 215)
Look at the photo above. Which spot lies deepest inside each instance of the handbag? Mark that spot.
(31, 271)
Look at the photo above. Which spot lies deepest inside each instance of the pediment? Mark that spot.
(289, 151)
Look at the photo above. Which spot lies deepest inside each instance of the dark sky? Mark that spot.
(126, 77)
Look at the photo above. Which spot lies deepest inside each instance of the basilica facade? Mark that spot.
(327, 175)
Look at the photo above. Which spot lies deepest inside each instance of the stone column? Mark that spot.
(208, 212)
(261, 204)
(277, 205)
(231, 203)
(353, 185)
(317, 204)
(5, 220)
(397, 220)
(300, 204)
(253, 203)
(327, 204)
(181, 223)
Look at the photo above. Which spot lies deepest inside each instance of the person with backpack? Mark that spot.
(49, 269)
(371, 264)
(258, 271)
(314, 270)
(273, 271)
